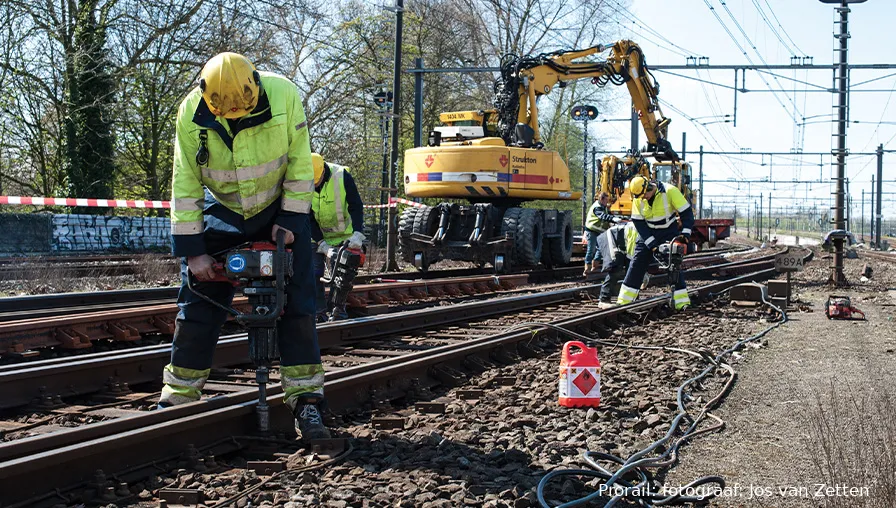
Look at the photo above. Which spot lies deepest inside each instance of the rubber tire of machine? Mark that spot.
(405, 228)
(426, 222)
(528, 242)
(558, 251)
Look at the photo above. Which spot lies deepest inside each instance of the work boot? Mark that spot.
(646, 283)
(321, 317)
(309, 421)
(338, 314)
(605, 305)
(588, 269)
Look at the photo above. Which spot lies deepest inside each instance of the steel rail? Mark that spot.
(136, 297)
(65, 377)
(72, 376)
(28, 470)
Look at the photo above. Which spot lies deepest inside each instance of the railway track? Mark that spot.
(16, 307)
(879, 256)
(72, 322)
(369, 360)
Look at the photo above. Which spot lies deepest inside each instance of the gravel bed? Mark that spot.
(816, 273)
(492, 452)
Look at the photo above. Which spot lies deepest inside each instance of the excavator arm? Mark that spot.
(523, 80)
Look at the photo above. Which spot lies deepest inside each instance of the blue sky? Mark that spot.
(763, 124)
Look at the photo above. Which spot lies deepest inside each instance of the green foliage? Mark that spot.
(91, 170)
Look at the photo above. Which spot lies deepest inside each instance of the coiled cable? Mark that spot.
(633, 481)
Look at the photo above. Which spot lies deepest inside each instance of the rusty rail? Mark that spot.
(32, 466)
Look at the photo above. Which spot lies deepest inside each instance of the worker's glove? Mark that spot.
(323, 247)
(615, 219)
(356, 240)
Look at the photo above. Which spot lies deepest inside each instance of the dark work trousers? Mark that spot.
(613, 280)
(320, 297)
(643, 257)
(199, 322)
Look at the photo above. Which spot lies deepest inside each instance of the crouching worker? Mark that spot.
(242, 172)
(618, 246)
(338, 217)
(656, 210)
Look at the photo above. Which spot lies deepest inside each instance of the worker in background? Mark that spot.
(338, 216)
(599, 219)
(618, 247)
(656, 210)
(242, 172)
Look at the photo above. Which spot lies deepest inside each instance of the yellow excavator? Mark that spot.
(495, 160)
(615, 172)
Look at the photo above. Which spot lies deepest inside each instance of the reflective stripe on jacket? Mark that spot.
(330, 207)
(662, 213)
(622, 239)
(268, 157)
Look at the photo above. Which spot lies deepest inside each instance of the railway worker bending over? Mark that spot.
(618, 247)
(338, 217)
(242, 171)
(656, 210)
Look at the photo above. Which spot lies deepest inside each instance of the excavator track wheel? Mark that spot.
(500, 263)
(420, 262)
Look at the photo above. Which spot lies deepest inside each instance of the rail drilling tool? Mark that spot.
(260, 270)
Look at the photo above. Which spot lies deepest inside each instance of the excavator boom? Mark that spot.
(523, 80)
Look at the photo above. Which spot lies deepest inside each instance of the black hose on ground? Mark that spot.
(633, 480)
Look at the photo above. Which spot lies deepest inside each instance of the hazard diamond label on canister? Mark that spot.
(585, 381)
(579, 382)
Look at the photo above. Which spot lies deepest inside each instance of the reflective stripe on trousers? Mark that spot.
(627, 295)
(301, 380)
(681, 299)
(182, 385)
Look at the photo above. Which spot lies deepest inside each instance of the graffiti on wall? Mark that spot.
(73, 233)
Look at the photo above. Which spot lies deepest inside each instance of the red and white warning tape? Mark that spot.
(130, 203)
(103, 203)
(396, 202)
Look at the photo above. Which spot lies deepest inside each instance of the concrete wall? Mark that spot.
(61, 233)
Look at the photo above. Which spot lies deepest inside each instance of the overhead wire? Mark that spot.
(646, 27)
(784, 30)
(699, 126)
(745, 53)
(758, 53)
(772, 28)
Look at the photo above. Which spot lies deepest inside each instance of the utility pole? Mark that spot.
(769, 236)
(593, 173)
(701, 183)
(418, 103)
(863, 215)
(392, 237)
(871, 233)
(583, 114)
(880, 181)
(759, 229)
(684, 146)
(841, 84)
(383, 100)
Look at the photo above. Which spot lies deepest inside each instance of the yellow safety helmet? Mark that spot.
(638, 186)
(230, 85)
(318, 162)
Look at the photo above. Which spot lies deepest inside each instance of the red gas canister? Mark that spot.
(579, 376)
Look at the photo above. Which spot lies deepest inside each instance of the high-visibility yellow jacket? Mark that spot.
(245, 164)
(662, 213)
(598, 219)
(330, 207)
